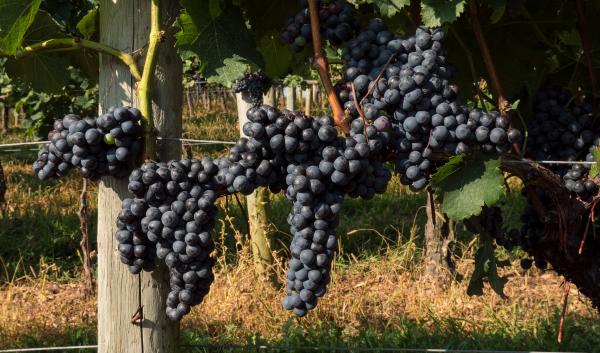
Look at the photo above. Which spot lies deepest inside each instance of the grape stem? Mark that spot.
(487, 57)
(360, 111)
(415, 12)
(503, 105)
(582, 28)
(60, 44)
(146, 84)
(564, 311)
(322, 66)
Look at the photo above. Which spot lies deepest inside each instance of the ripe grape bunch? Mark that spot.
(400, 85)
(107, 145)
(561, 129)
(172, 212)
(337, 20)
(255, 84)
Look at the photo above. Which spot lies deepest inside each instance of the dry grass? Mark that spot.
(379, 294)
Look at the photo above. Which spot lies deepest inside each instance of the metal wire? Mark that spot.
(217, 142)
(351, 349)
(203, 142)
(289, 348)
(47, 349)
(19, 144)
(527, 161)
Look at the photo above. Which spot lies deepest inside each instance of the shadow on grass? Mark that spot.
(579, 335)
(35, 238)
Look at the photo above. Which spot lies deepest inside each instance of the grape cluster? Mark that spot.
(255, 84)
(402, 86)
(107, 145)
(491, 221)
(561, 129)
(576, 178)
(173, 206)
(171, 218)
(338, 23)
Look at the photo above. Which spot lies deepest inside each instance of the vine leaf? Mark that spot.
(595, 169)
(486, 268)
(215, 39)
(498, 8)
(435, 13)
(45, 72)
(15, 19)
(232, 69)
(388, 8)
(465, 184)
(277, 57)
(89, 24)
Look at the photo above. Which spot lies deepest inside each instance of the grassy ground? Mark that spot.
(379, 296)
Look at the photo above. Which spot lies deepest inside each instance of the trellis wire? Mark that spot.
(289, 348)
(353, 349)
(217, 142)
(47, 349)
(186, 140)
(192, 141)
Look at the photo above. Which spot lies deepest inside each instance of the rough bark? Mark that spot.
(2, 186)
(439, 236)
(5, 118)
(256, 205)
(290, 98)
(124, 24)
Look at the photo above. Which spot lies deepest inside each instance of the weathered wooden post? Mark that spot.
(256, 205)
(120, 293)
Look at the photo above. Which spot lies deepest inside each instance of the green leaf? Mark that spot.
(515, 105)
(265, 16)
(498, 8)
(435, 13)
(292, 81)
(570, 38)
(15, 19)
(215, 39)
(388, 8)
(486, 268)
(275, 54)
(89, 24)
(232, 69)
(214, 7)
(44, 72)
(595, 169)
(465, 184)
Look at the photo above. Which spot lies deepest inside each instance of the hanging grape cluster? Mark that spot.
(254, 84)
(338, 23)
(107, 145)
(402, 85)
(172, 212)
(561, 130)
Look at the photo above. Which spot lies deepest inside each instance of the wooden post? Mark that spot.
(119, 292)
(256, 204)
(5, 117)
(439, 235)
(307, 101)
(290, 98)
(298, 94)
(270, 98)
